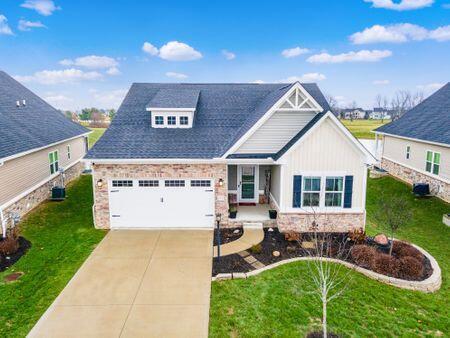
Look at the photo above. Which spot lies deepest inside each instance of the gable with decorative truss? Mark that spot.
(281, 123)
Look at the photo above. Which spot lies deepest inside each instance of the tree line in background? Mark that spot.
(92, 117)
(394, 107)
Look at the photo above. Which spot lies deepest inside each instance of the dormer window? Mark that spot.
(184, 120)
(171, 120)
(159, 120)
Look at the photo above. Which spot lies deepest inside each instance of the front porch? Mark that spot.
(252, 213)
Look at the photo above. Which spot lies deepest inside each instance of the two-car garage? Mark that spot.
(161, 203)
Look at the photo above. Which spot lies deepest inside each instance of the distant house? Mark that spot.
(353, 113)
(416, 147)
(37, 142)
(379, 113)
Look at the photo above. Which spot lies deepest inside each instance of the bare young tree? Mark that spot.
(333, 103)
(383, 103)
(393, 213)
(404, 100)
(329, 279)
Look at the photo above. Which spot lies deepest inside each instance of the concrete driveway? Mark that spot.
(137, 283)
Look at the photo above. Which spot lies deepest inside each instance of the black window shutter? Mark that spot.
(297, 195)
(348, 193)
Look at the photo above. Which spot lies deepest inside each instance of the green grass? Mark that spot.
(62, 237)
(272, 304)
(363, 128)
(95, 135)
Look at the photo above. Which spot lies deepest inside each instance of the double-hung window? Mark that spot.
(53, 160)
(408, 152)
(68, 152)
(433, 162)
(311, 191)
(184, 120)
(171, 120)
(334, 189)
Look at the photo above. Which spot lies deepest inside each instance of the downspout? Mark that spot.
(3, 221)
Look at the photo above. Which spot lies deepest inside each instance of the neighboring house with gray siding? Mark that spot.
(179, 155)
(36, 143)
(416, 147)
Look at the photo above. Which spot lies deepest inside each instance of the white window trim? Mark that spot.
(177, 114)
(52, 163)
(69, 153)
(433, 155)
(408, 152)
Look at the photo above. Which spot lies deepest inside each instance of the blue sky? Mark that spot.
(87, 53)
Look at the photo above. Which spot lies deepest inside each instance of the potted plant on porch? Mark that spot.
(272, 214)
(232, 212)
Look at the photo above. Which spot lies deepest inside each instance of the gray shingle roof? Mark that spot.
(173, 98)
(35, 125)
(428, 121)
(224, 113)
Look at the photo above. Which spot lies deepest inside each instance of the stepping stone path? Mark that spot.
(251, 259)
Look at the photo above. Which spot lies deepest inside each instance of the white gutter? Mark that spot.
(180, 160)
(414, 139)
(23, 153)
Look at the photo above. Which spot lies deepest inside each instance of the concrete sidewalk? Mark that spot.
(137, 283)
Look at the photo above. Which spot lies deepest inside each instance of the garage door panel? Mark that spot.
(161, 206)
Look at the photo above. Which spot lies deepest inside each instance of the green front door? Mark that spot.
(248, 183)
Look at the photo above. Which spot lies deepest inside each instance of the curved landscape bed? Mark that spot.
(430, 284)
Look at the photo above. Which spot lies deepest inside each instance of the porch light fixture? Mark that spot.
(100, 183)
(220, 182)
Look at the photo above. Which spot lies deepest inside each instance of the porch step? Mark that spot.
(253, 225)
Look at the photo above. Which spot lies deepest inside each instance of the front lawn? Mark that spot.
(273, 304)
(62, 237)
(363, 128)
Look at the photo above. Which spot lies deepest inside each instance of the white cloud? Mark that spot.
(403, 5)
(173, 51)
(91, 62)
(113, 71)
(228, 55)
(430, 87)
(380, 82)
(25, 25)
(49, 77)
(59, 101)
(178, 76)
(150, 49)
(360, 56)
(108, 99)
(43, 7)
(399, 33)
(4, 27)
(259, 81)
(308, 77)
(293, 52)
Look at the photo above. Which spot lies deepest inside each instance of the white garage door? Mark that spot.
(166, 203)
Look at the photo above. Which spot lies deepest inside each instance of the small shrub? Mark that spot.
(9, 245)
(256, 249)
(410, 268)
(292, 236)
(402, 249)
(357, 236)
(363, 255)
(386, 265)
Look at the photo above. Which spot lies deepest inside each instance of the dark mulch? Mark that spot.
(227, 235)
(320, 335)
(230, 263)
(7, 261)
(275, 241)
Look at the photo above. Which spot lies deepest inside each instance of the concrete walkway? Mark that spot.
(252, 235)
(137, 283)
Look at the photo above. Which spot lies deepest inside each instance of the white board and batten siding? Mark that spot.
(326, 152)
(278, 130)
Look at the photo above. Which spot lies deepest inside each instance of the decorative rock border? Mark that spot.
(431, 284)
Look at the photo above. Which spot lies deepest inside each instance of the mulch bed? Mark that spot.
(7, 261)
(230, 263)
(227, 235)
(275, 241)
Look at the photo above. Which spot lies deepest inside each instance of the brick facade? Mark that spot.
(437, 187)
(334, 222)
(106, 172)
(37, 196)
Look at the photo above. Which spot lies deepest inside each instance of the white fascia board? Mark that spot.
(368, 156)
(23, 153)
(250, 161)
(414, 139)
(268, 114)
(170, 109)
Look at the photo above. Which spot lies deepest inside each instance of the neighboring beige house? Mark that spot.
(178, 155)
(416, 147)
(37, 143)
